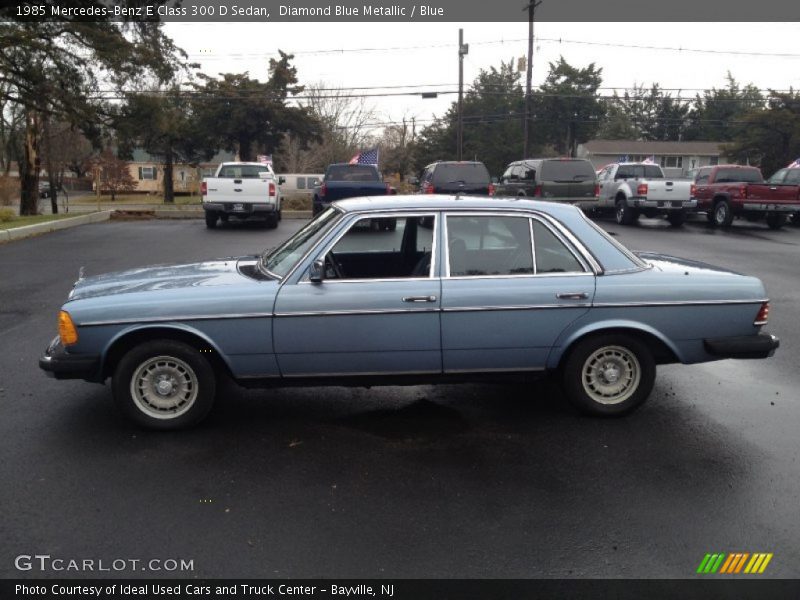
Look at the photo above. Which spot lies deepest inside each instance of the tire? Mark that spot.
(211, 219)
(271, 222)
(796, 219)
(776, 220)
(722, 215)
(676, 218)
(187, 380)
(608, 375)
(624, 214)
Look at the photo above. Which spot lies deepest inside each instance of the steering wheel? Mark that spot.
(333, 270)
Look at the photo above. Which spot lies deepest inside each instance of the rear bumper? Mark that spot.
(229, 208)
(664, 204)
(762, 345)
(56, 362)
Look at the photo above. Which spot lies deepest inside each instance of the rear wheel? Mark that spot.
(164, 384)
(211, 219)
(776, 220)
(608, 375)
(676, 218)
(625, 215)
(271, 222)
(723, 215)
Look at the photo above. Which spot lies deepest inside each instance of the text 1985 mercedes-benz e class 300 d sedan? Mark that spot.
(459, 288)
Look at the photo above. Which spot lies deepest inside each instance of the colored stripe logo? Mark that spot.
(735, 563)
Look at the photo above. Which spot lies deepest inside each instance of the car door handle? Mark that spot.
(419, 298)
(773, 188)
(572, 296)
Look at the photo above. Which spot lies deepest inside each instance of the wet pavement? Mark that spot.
(448, 481)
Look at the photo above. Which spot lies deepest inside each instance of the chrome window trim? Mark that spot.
(572, 247)
(641, 264)
(394, 214)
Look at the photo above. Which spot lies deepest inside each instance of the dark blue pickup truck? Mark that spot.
(343, 180)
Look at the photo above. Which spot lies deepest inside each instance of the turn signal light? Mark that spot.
(66, 329)
(763, 315)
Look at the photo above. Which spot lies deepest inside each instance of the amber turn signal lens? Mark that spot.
(66, 329)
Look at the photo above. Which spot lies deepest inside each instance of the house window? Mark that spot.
(675, 162)
(147, 173)
(713, 161)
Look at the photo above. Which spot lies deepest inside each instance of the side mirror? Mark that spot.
(316, 272)
(281, 180)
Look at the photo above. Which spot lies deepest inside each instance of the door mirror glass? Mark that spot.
(317, 270)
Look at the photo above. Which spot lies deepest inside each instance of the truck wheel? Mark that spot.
(676, 218)
(625, 215)
(723, 215)
(608, 375)
(271, 221)
(211, 219)
(776, 220)
(164, 384)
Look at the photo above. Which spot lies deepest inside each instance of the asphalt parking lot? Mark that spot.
(474, 481)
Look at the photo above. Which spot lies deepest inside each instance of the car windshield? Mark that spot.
(279, 261)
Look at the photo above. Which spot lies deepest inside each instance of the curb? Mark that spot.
(18, 233)
(195, 213)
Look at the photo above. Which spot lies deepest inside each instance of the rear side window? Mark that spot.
(738, 175)
(469, 173)
(567, 170)
(793, 176)
(489, 245)
(552, 256)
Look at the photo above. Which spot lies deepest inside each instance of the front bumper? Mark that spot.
(665, 204)
(239, 208)
(762, 345)
(58, 363)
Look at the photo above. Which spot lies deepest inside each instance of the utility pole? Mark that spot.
(531, 8)
(463, 50)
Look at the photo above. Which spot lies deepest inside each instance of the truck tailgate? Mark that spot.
(668, 190)
(238, 190)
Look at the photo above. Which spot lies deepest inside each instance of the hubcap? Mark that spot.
(611, 374)
(722, 213)
(164, 387)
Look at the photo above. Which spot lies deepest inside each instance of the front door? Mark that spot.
(376, 312)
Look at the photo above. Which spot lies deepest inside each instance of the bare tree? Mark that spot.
(397, 147)
(115, 176)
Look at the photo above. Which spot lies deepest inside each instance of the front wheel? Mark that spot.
(164, 384)
(676, 218)
(776, 220)
(609, 375)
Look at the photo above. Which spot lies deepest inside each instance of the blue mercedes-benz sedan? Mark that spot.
(458, 288)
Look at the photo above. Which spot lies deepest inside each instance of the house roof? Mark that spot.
(617, 147)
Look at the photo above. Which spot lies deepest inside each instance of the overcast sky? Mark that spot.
(405, 54)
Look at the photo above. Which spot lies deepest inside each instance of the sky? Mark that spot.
(685, 56)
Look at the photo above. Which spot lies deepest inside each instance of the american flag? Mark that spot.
(794, 165)
(367, 157)
(650, 160)
(265, 159)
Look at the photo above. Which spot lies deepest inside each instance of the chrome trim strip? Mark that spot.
(177, 318)
(362, 373)
(393, 280)
(270, 376)
(497, 370)
(674, 303)
(327, 313)
(515, 307)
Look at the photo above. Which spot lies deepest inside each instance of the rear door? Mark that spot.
(512, 284)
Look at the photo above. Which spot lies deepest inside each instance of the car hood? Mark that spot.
(674, 264)
(162, 277)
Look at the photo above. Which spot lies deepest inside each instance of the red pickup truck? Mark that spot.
(728, 191)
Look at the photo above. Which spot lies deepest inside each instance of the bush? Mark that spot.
(8, 186)
(297, 203)
(6, 215)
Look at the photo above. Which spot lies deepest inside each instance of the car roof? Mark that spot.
(453, 202)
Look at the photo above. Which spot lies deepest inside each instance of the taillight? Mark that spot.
(271, 189)
(491, 189)
(537, 191)
(641, 189)
(596, 190)
(743, 191)
(323, 189)
(692, 191)
(763, 315)
(427, 188)
(204, 189)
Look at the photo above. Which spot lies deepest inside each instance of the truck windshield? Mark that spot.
(279, 261)
(352, 173)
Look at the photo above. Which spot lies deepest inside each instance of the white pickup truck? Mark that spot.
(633, 189)
(242, 190)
